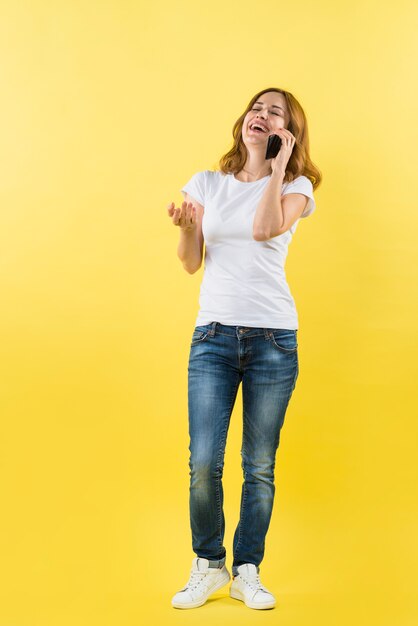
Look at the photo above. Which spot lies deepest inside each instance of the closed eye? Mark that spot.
(274, 113)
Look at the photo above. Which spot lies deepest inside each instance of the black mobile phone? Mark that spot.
(273, 146)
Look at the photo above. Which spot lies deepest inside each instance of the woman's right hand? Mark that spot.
(184, 216)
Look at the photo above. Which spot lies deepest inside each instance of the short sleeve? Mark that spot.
(302, 184)
(196, 187)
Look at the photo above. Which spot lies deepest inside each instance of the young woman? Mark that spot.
(246, 331)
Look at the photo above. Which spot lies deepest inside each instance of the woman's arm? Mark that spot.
(276, 214)
(189, 251)
(190, 247)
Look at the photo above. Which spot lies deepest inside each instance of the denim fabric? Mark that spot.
(266, 361)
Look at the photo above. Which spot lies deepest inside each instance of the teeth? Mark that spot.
(260, 126)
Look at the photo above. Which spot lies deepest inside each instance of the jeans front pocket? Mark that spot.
(199, 334)
(284, 339)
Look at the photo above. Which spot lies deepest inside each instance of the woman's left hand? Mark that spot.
(281, 160)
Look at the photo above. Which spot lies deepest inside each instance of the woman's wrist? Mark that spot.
(277, 173)
(188, 230)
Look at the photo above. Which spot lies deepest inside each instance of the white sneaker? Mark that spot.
(246, 586)
(204, 581)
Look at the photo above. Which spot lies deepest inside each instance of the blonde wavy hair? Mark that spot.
(299, 163)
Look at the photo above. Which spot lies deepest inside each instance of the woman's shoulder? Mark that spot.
(300, 178)
(208, 174)
(212, 178)
(301, 181)
(214, 174)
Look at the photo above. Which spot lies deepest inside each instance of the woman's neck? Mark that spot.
(247, 176)
(255, 167)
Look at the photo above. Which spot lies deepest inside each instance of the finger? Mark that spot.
(181, 217)
(179, 211)
(189, 211)
(176, 216)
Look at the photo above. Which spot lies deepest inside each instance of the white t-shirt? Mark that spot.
(244, 281)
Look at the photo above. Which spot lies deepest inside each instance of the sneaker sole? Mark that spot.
(237, 595)
(193, 605)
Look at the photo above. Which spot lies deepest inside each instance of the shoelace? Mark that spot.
(255, 583)
(195, 579)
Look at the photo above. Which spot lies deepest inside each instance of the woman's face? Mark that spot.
(269, 111)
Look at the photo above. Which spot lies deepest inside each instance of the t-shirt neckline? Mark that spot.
(250, 182)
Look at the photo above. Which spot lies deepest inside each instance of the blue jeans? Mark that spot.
(266, 361)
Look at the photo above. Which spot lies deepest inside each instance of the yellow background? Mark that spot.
(106, 110)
